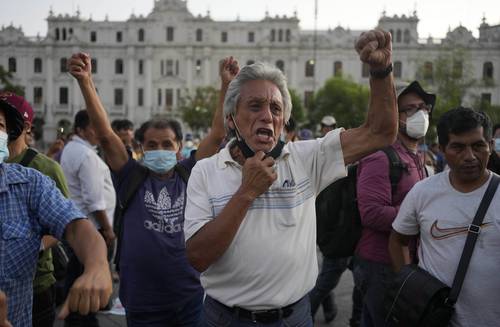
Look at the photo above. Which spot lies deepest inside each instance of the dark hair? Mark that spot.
(290, 125)
(82, 120)
(121, 124)
(495, 127)
(159, 123)
(461, 120)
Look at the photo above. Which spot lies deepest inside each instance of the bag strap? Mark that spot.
(473, 233)
(28, 157)
(396, 167)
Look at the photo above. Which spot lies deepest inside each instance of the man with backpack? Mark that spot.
(383, 180)
(158, 286)
(44, 292)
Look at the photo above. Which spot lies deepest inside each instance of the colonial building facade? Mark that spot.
(144, 65)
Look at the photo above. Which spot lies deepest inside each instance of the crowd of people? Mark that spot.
(225, 232)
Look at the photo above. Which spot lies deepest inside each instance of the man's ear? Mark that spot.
(27, 127)
(230, 122)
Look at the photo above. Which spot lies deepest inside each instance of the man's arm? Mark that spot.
(79, 67)
(228, 69)
(380, 127)
(91, 291)
(3, 311)
(212, 240)
(398, 250)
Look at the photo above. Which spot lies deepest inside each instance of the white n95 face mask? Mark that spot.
(4, 150)
(417, 124)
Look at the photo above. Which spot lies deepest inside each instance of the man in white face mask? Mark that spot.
(379, 200)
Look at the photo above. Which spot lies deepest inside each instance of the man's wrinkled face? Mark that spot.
(160, 139)
(126, 135)
(467, 154)
(259, 115)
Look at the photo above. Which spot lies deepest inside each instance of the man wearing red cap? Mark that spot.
(21, 153)
(31, 207)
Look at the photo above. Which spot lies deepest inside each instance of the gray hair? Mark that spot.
(257, 71)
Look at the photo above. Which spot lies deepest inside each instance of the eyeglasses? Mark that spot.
(412, 109)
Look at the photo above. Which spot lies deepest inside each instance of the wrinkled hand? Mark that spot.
(109, 236)
(375, 48)
(228, 69)
(79, 66)
(3, 311)
(258, 174)
(89, 293)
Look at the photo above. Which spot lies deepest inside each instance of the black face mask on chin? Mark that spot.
(248, 152)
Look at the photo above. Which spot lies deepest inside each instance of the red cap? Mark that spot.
(20, 104)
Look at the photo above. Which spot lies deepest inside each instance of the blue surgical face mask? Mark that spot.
(159, 161)
(497, 144)
(4, 150)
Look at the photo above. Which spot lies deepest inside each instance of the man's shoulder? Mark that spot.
(17, 174)
(430, 185)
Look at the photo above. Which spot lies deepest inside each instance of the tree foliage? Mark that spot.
(298, 112)
(7, 85)
(346, 100)
(198, 108)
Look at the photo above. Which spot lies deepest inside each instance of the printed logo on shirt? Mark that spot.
(166, 214)
(439, 233)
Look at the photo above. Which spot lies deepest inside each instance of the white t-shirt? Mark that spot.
(442, 215)
(271, 261)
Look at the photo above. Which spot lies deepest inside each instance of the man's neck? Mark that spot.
(17, 147)
(236, 154)
(468, 186)
(410, 143)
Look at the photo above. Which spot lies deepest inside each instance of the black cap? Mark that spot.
(14, 119)
(415, 87)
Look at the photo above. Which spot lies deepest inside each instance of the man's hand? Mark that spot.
(228, 69)
(79, 66)
(89, 293)
(375, 48)
(258, 175)
(109, 235)
(3, 311)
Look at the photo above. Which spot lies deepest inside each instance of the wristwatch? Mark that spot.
(381, 73)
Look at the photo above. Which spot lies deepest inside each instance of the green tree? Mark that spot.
(197, 109)
(298, 112)
(346, 100)
(6, 84)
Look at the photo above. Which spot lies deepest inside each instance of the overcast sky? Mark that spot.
(435, 15)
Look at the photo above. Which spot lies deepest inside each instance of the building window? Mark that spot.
(309, 68)
(37, 95)
(169, 98)
(457, 69)
(280, 35)
(428, 71)
(251, 37)
(162, 68)
(281, 65)
(118, 97)
(365, 70)
(308, 98)
(488, 71)
(198, 67)
(398, 69)
(118, 66)
(398, 36)
(140, 66)
(250, 62)
(93, 65)
(63, 95)
(12, 65)
(70, 31)
(170, 67)
(64, 34)
(199, 35)
(93, 36)
(177, 68)
(119, 37)
(273, 35)
(140, 97)
(485, 99)
(140, 35)
(170, 34)
(63, 65)
(223, 37)
(407, 36)
(38, 65)
(288, 35)
(159, 97)
(337, 68)
(57, 34)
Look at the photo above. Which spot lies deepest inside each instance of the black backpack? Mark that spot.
(135, 179)
(338, 220)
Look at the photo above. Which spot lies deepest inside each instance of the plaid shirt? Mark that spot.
(30, 206)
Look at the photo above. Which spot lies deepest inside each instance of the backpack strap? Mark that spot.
(136, 177)
(182, 171)
(396, 167)
(28, 157)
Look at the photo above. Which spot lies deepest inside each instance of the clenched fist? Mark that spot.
(375, 48)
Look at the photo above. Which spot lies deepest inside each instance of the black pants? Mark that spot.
(44, 309)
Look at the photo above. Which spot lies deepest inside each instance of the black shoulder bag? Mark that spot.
(418, 299)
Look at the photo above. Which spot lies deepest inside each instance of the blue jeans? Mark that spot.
(373, 279)
(190, 315)
(218, 315)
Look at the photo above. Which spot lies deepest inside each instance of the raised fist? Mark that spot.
(79, 66)
(228, 69)
(375, 48)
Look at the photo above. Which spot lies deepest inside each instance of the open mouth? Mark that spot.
(265, 134)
